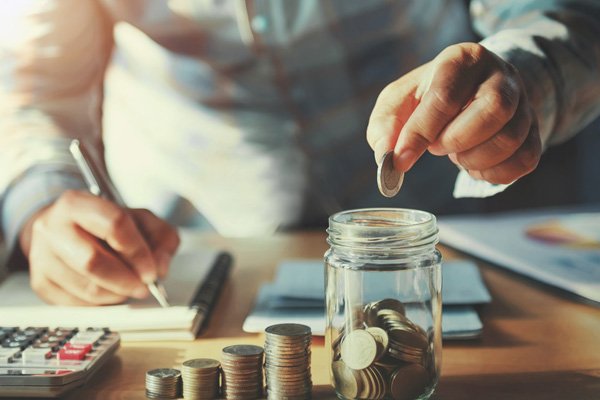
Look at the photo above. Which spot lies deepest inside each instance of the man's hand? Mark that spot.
(468, 104)
(85, 250)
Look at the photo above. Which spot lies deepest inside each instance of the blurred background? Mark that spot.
(197, 82)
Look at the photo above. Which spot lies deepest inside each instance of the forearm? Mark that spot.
(53, 64)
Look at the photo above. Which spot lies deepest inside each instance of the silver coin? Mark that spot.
(242, 350)
(389, 180)
(202, 364)
(288, 330)
(164, 373)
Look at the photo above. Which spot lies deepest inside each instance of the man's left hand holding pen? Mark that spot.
(86, 250)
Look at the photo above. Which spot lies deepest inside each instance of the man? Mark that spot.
(255, 112)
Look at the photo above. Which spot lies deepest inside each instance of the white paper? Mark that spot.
(21, 307)
(503, 239)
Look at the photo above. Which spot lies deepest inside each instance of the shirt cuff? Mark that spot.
(36, 189)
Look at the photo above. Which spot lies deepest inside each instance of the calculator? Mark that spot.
(48, 362)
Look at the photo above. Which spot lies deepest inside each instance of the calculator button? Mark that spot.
(6, 355)
(14, 344)
(45, 345)
(86, 337)
(34, 332)
(83, 347)
(20, 337)
(32, 356)
(66, 354)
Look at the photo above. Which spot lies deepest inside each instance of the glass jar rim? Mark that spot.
(383, 229)
(338, 217)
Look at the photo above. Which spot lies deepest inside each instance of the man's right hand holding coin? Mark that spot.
(85, 250)
(468, 104)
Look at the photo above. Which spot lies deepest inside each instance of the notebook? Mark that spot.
(557, 247)
(193, 284)
(297, 296)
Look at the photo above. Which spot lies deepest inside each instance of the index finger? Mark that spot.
(163, 238)
(109, 222)
(453, 83)
(392, 109)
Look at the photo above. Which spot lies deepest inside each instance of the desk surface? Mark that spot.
(537, 343)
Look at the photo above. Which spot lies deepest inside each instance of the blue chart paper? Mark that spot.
(297, 295)
(560, 247)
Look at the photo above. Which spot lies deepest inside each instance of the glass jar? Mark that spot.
(383, 304)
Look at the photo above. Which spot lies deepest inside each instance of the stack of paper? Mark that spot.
(297, 295)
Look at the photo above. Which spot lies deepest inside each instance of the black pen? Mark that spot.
(100, 185)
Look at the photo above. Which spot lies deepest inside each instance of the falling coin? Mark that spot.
(389, 180)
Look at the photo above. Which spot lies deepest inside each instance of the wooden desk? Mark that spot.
(537, 343)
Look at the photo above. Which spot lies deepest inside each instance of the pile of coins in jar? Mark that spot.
(239, 374)
(386, 355)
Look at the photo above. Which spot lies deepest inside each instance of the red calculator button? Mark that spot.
(83, 347)
(68, 354)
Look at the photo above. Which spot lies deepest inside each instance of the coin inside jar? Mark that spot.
(359, 349)
(345, 380)
(381, 337)
(389, 180)
(408, 382)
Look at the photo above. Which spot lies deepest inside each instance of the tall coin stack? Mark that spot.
(200, 379)
(163, 383)
(242, 372)
(287, 362)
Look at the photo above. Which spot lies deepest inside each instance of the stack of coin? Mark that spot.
(389, 356)
(163, 383)
(287, 362)
(242, 372)
(201, 379)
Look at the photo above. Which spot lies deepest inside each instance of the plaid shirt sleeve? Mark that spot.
(50, 91)
(554, 45)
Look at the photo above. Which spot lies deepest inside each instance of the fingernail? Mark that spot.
(140, 292)
(149, 277)
(405, 160)
(437, 150)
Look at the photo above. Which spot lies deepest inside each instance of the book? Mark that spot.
(559, 247)
(193, 285)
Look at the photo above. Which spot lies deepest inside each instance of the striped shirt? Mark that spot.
(255, 110)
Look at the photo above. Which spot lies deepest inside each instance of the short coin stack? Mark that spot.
(390, 357)
(200, 379)
(163, 383)
(287, 362)
(242, 372)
